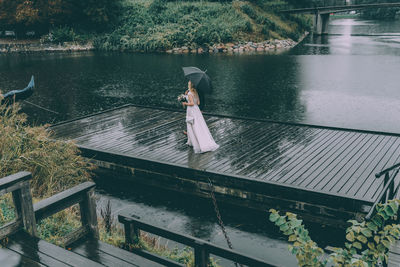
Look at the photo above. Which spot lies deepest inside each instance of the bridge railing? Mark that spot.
(202, 249)
(390, 189)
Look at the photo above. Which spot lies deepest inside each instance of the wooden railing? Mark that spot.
(202, 249)
(28, 214)
(389, 191)
(18, 185)
(81, 194)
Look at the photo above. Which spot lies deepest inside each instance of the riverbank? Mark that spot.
(27, 46)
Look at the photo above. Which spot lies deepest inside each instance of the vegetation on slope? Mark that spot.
(159, 25)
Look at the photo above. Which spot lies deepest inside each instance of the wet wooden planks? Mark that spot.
(25, 250)
(319, 159)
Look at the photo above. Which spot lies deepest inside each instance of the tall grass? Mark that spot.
(55, 165)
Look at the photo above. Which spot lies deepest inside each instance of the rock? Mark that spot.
(260, 49)
(200, 50)
(230, 45)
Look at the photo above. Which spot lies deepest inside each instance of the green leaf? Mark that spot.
(296, 223)
(389, 211)
(280, 221)
(371, 226)
(357, 245)
(366, 232)
(394, 206)
(377, 220)
(386, 243)
(350, 236)
(292, 238)
(376, 239)
(284, 227)
(362, 238)
(273, 217)
(371, 245)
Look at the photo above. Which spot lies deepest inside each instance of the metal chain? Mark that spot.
(220, 222)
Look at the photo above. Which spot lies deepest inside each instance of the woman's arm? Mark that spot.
(190, 102)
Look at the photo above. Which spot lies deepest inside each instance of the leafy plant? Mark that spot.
(368, 242)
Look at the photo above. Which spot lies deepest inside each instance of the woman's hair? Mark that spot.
(194, 90)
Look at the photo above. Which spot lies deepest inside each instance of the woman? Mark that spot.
(197, 131)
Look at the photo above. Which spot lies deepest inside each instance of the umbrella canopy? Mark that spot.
(199, 78)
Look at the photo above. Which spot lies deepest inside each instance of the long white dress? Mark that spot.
(197, 131)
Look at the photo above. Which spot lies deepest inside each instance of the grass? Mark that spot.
(55, 165)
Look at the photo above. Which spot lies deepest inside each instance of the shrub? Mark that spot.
(55, 165)
(63, 34)
(249, 11)
(368, 242)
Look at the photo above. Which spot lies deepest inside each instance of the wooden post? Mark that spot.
(201, 256)
(24, 208)
(132, 233)
(387, 177)
(391, 190)
(88, 213)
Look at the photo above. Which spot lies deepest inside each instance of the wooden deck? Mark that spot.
(331, 167)
(25, 250)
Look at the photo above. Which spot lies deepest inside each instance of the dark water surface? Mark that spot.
(347, 79)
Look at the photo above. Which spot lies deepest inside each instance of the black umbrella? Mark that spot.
(199, 78)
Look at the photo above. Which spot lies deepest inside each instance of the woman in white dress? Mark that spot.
(197, 131)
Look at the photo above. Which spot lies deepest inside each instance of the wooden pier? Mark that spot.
(321, 172)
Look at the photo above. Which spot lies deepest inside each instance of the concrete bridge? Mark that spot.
(321, 14)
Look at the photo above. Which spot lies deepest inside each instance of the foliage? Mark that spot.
(368, 242)
(7, 212)
(55, 165)
(41, 15)
(55, 227)
(158, 25)
(61, 35)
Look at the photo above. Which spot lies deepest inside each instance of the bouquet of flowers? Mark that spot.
(182, 98)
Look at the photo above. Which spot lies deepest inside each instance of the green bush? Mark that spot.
(249, 11)
(63, 34)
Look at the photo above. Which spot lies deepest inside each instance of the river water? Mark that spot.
(349, 79)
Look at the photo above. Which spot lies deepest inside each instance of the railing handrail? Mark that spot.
(379, 174)
(49, 206)
(191, 241)
(18, 185)
(388, 185)
(10, 180)
(80, 194)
